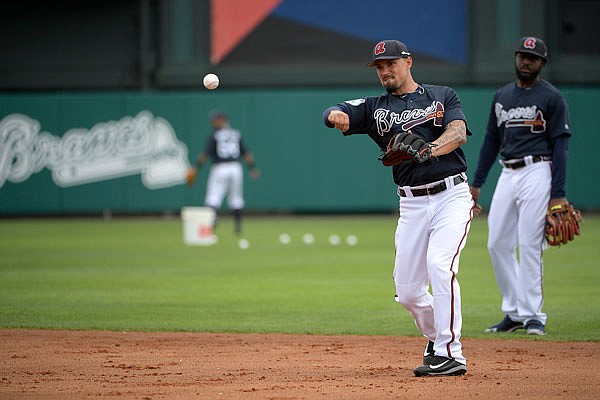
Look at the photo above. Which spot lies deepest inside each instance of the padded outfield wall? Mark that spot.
(73, 153)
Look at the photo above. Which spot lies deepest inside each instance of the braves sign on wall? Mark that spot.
(143, 144)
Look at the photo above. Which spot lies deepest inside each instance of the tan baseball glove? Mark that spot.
(190, 176)
(562, 224)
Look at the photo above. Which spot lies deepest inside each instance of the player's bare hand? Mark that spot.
(477, 208)
(339, 120)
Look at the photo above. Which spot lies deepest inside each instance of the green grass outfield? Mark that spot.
(137, 275)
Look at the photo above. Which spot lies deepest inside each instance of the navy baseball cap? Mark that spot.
(532, 45)
(215, 114)
(388, 50)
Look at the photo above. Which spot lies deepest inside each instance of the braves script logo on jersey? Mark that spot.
(529, 117)
(408, 119)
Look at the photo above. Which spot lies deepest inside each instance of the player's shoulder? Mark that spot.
(227, 132)
(439, 92)
(436, 88)
(509, 87)
(546, 86)
(366, 100)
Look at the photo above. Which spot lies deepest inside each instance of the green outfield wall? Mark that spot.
(125, 152)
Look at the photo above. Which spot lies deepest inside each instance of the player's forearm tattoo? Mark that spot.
(453, 137)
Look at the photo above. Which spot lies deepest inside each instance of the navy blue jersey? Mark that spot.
(527, 121)
(425, 112)
(225, 145)
(524, 122)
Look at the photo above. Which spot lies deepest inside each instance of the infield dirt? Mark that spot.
(38, 364)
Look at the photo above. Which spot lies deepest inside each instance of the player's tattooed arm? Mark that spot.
(453, 137)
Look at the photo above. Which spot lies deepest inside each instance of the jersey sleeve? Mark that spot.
(210, 147)
(558, 118)
(243, 148)
(559, 167)
(489, 149)
(357, 111)
(453, 109)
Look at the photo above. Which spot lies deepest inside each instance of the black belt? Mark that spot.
(440, 187)
(521, 163)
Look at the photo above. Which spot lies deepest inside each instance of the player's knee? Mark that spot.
(408, 299)
(500, 246)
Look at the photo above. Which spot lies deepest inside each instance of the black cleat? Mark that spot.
(441, 366)
(506, 325)
(535, 327)
(428, 354)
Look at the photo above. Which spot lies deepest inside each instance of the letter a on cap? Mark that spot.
(380, 48)
(529, 43)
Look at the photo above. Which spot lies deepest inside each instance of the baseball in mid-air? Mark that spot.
(211, 81)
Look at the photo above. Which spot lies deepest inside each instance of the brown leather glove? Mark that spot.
(562, 224)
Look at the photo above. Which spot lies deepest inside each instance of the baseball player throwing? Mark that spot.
(529, 126)
(435, 202)
(225, 148)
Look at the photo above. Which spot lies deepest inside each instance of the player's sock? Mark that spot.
(237, 217)
(215, 220)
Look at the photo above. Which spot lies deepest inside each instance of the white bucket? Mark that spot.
(198, 226)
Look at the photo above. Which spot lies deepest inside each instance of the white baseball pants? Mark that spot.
(431, 233)
(516, 219)
(225, 178)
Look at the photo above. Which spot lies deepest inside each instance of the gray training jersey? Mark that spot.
(225, 145)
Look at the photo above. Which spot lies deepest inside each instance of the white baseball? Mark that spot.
(211, 81)
(351, 240)
(308, 238)
(334, 240)
(284, 238)
(244, 244)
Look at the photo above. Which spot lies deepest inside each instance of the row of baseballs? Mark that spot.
(308, 238)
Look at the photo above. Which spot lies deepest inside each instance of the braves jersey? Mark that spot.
(425, 112)
(524, 122)
(225, 145)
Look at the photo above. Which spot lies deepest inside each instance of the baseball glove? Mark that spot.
(406, 146)
(562, 224)
(190, 176)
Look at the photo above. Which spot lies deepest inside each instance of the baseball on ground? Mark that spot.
(351, 240)
(308, 238)
(284, 238)
(334, 240)
(211, 81)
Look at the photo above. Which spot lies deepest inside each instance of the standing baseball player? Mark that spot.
(225, 148)
(435, 203)
(529, 126)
